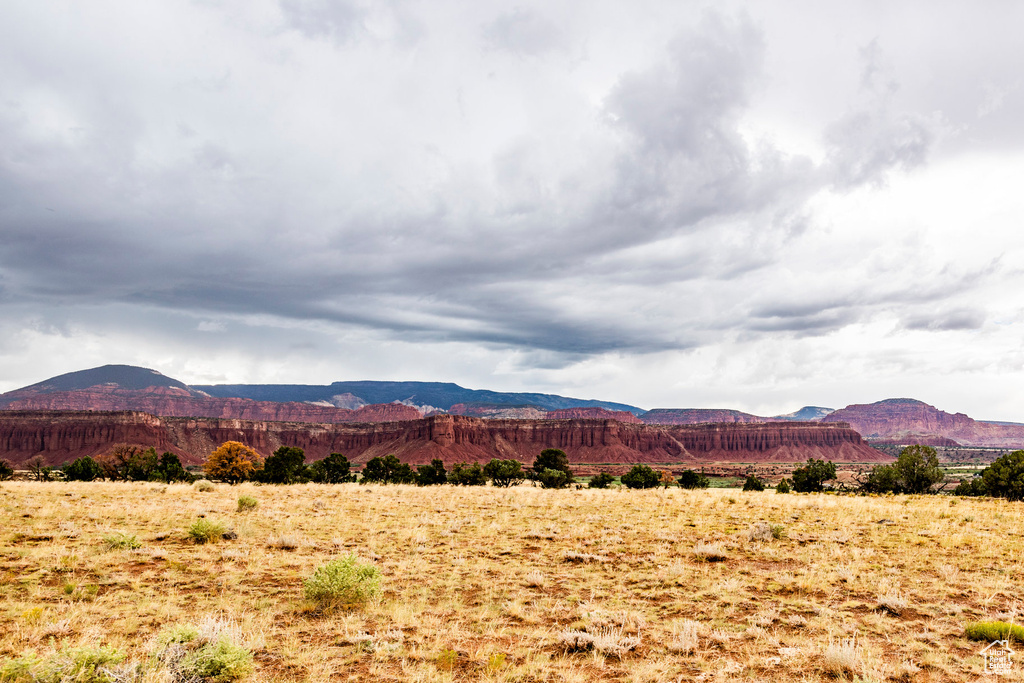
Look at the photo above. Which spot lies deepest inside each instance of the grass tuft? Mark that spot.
(121, 541)
(204, 531)
(247, 503)
(990, 631)
(343, 582)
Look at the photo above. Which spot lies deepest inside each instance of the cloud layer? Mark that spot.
(556, 196)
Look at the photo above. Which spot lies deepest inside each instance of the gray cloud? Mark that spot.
(524, 32)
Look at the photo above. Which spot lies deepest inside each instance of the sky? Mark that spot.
(749, 205)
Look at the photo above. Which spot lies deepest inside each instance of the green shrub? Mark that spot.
(990, 631)
(641, 477)
(973, 487)
(121, 541)
(602, 481)
(467, 475)
(551, 469)
(778, 531)
(247, 503)
(693, 480)
(218, 661)
(811, 477)
(504, 473)
(192, 655)
(204, 531)
(753, 483)
(86, 664)
(783, 486)
(433, 474)
(6, 470)
(83, 469)
(203, 485)
(1004, 478)
(334, 469)
(341, 582)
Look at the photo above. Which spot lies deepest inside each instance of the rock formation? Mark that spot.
(62, 436)
(691, 416)
(907, 421)
(593, 414)
(179, 402)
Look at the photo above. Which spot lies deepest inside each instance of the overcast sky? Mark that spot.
(754, 205)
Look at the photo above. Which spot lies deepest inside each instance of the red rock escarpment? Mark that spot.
(593, 414)
(690, 416)
(176, 402)
(902, 420)
(498, 412)
(62, 436)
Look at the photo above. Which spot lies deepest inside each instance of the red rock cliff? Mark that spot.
(175, 402)
(62, 436)
(903, 420)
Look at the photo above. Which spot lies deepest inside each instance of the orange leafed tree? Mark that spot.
(232, 462)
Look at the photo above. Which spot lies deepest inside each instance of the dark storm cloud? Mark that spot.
(397, 196)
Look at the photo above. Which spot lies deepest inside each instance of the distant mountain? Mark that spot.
(909, 421)
(121, 376)
(689, 416)
(805, 414)
(427, 396)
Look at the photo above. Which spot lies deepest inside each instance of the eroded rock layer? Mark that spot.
(61, 436)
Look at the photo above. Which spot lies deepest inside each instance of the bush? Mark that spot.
(782, 486)
(753, 483)
(1004, 478)
(916, 470)
(973, 487)
(504, 473)
(387, 470)
(342, 582)
(121, 541)
(881, 479)
(693, 480)
(247, 503)
(467, 475)
(433, 474)
(287, 465)
(811, 478)
(990, 631)
(204, 531)
(6, 470)
(232, 462)
(86, 664)
(203, 485)
(82, 469)
(551, 469)
(602, 481)
(170, 470)
(209, 653)
(334, 469)
(641, 477)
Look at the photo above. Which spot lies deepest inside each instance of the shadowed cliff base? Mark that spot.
(61, 436)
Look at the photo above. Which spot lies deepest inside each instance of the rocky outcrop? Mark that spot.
(492, 411)
(907, 421)
(691, 416)
(593, 414)
(62, 436)
(179, 402)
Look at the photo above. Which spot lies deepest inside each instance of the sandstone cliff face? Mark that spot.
(62, 436)
(908, 421)
(176, 402)
(593, 414)
(689, 416)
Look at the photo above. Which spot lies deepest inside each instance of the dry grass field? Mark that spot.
(523, 584)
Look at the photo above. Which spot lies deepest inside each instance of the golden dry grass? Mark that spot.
(491, 584)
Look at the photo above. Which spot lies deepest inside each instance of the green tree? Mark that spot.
(881, 479)
(504, 473)
(917, 469)
(1004, 478)
(467, 475)
(39, 470)
(170, 469)
(753, 483)
(6, 470)
(387, 470)
(141, 466)
(783, 486)
(83, 469)
(693, 480)
(975, 486)
(433, 474)
(811, 477)
(286, 465)
(334, 469)
(602, 481)
(641, 477)
(551, 469)
(232, 462)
